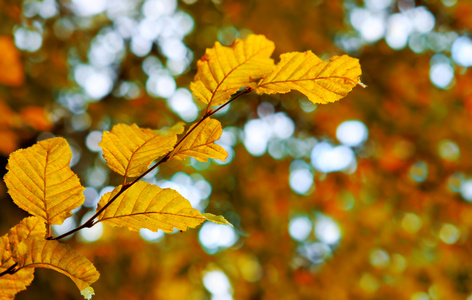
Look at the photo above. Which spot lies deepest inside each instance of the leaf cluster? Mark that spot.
(40, 181)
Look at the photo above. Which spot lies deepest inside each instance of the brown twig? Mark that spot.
(11, 270)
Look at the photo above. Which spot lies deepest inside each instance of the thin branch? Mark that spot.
(91, 221)
(11, 270)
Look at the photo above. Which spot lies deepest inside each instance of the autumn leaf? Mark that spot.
(40, 181)
(11, 284)
(222, 71)
(176, 129)
(217, 219)
(199, 144)
(128, 150)
(26, 247)
(145, 205)
(11, 70)
(31, 227)
(321, 81)
(60, 257)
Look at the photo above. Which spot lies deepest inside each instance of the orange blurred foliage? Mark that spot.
(11, 69)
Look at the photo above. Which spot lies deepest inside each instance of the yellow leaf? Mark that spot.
(144, 205)
(40, 181)
(128, 150)
(14, 246)
(10, 284)
(60, 257)
(200, 142)
(31, 227)
(320, 81)
(26, 246)
(217, 219)
(222, 71)
(174, 130)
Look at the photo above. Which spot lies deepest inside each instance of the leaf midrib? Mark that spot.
(152, 212)
(307, 79)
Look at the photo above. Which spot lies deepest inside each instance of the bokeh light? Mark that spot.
(316, 252)
(301, 178)
(466, 189)
(327, 230)
(28, 40)
(193, 187)
(352, 133)
(181, 102)
(449, 233)
(328, 158)
(462, 51)
(379, 258)
(300, 228)
(66, 226)
(91, 234)
(214, 237)
(218, 284)
(419, 171)
(151, 236)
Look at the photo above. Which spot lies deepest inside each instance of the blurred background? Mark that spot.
(366, 198)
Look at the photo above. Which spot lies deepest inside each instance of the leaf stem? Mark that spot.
(91, 221)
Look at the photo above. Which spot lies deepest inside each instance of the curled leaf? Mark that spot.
(144, 205)
(128, 150)
(60, 257)
(321, 81)
(40, 181)
(11, 284)
(222, 71)
(200, 142)
(26, 248)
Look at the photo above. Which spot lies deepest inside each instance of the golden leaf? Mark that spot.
(128, 150)
(50, 254)
(40, 181)
(320, 81)
(200, 142)
(25, 245)
(222, 71)
(178, 128)
(217, 219)
(144, 205)
(11, 284)
(31, 227)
